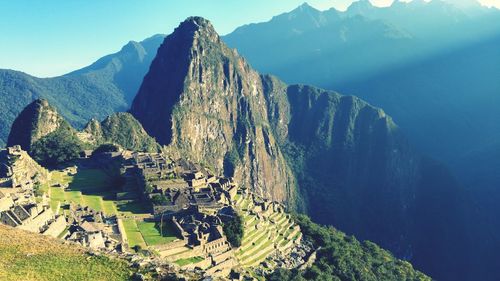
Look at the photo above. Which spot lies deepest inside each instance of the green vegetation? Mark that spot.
(89, 187)
(342, 257)
(123, 129)
(31, 257)
(233, 229)
(158, 199)
(183, 262)
(133, 233)
(151, 233)
(231, 161)
(129, 208)
(57, 148)
(107, 147)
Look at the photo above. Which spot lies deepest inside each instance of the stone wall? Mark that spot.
(222, 257)
(123, 234)
(56, 227)
(38, 222)
(216, 246)
(6, 203)
(169, 246)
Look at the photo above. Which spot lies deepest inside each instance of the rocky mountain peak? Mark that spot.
(305, 7)
(360, 7)
(196, 27)
(203, 100)
(37, 120)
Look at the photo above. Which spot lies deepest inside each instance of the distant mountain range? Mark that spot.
(96, 91)
(432, 66)
(420, 61)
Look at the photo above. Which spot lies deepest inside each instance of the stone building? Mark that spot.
(201, 231)
(36, 218)
(19, 170)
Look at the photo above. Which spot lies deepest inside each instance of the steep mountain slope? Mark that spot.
(205, 102)
(460, 92)
(126, 68)
(443, 93)
(36, 121)
(43, 133)
(96, 91)
(443, 73)
(120, 128)
(340, 159)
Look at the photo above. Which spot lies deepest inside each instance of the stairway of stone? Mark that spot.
(262, 237)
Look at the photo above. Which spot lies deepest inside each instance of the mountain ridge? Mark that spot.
(347, 159)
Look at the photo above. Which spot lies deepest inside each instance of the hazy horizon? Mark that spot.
(35, 45)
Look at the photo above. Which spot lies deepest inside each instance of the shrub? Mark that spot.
(57, 148)
(107, 147)
(158, 199)
(233, 229)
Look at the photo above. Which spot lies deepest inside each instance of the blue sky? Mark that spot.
(52, 37)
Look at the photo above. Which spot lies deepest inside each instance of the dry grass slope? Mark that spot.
(29, 257)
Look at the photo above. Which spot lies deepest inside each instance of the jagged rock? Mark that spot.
(206, 103)
(120, 128)
(37, 120)
(40, 119)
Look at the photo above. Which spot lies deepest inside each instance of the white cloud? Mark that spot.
(491, 3)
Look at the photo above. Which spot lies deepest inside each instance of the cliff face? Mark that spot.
(336, 157)
(354, 168)
(205, 102)
(37, 120)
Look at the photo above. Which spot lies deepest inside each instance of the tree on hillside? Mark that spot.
(233, 229)
(56, 148)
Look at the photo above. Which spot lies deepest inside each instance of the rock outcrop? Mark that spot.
(40, 120)
(123, 129)
(206, 103)
(36, 121)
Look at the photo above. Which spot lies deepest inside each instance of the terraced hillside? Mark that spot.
(27, 256)
(94, 188)
(264, 232)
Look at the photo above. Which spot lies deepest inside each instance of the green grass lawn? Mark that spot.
(92, 188)
(129, 208)
(90, 180)
(151, 233)
(93, 201)
(56, 196)
(109, 207)
(133, 234)
(74, 196)
(183, 262)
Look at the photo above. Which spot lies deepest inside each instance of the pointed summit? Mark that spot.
(305, 7)
(360, 7)
(37, 120)
(194, 27)
(203, 101)
(194, 41)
